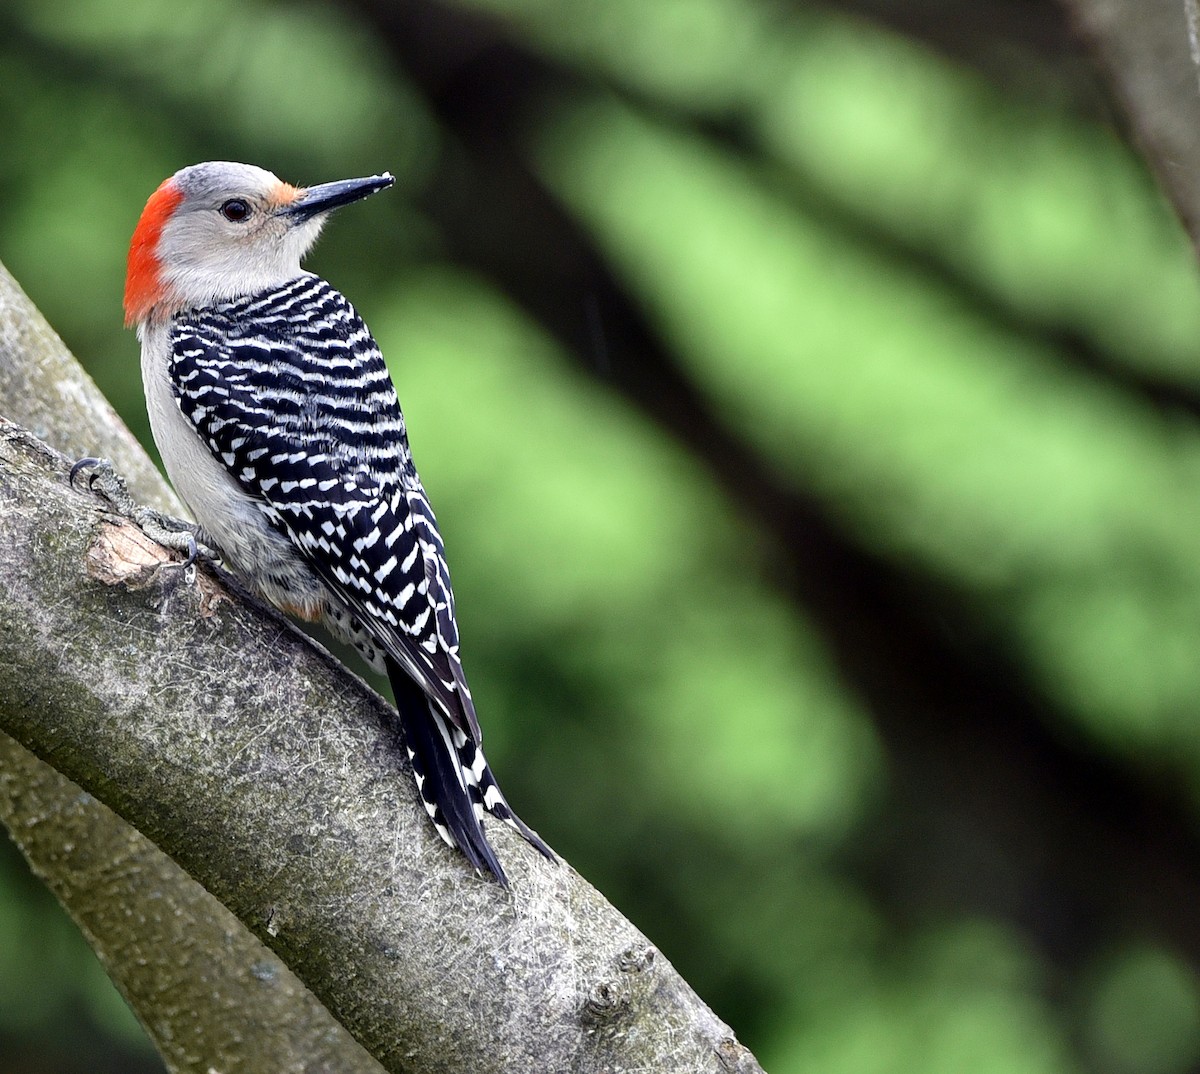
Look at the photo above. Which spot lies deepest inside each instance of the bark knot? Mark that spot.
(736, 1057)
(121, 554)
(612, 997)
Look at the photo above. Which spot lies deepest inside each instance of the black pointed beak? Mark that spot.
(327, 196)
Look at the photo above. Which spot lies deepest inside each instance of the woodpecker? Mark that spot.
(280, 428)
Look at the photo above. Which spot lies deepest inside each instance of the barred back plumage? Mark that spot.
(290, 394)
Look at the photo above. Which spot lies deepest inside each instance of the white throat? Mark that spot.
(200, 270)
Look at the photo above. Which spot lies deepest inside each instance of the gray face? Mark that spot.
(233, 229)
(227, 236)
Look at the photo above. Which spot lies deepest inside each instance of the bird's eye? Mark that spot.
(236, 210)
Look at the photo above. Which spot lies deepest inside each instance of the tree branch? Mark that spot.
(210, 995)
(279, 782)
(1144, 45)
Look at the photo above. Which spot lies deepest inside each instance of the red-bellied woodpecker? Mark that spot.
(279, 427)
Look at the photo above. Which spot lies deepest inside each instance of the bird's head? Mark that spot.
(219, 230)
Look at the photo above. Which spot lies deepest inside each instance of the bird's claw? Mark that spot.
(82, 464)
(172, 533)
(88, 462)
(196, 551)
(106, 482)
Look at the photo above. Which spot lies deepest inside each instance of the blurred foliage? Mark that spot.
(934, 433)
(948, 320)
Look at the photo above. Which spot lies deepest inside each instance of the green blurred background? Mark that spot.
(810, 398)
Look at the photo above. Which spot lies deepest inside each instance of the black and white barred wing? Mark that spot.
(290, 393)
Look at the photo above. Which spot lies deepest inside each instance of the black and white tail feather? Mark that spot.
(288, 390)
(453, 778)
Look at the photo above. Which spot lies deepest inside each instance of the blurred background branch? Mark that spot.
(209, 994)
(835, 368)
(1150, 57)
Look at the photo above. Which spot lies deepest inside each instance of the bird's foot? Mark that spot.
(173, 533)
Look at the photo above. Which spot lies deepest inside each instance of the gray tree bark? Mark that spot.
(1150, 57)
(278, 781)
